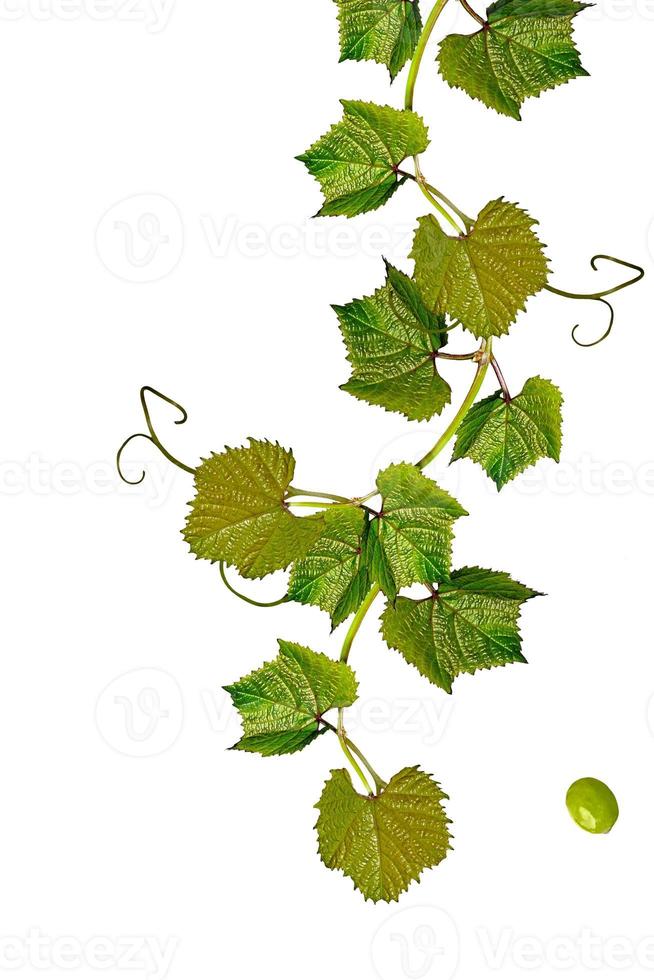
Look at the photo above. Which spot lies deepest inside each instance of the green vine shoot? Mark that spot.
(356, 555)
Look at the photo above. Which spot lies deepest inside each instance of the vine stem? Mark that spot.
(485, 358)
(416, 61)
(346, 745)
(450, 432)
(356, 622)
(431, 193)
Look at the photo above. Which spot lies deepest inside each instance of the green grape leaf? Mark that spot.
(333, 574)
(282, 703)
(506, 437)
(385, 31)
(525, 48)
(470, 623)
(411, 540)
(392, 341)
(383, 842)
(239, 515)
(485, 277)
(356, 162)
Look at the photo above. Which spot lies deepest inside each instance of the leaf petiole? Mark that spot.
(500, 377)
(431, 194)
(353, 762)
(312, 503)
(294, 492)
(473, 13)
(379, 782)
(346, 741)
(467, 221)
(457, 357)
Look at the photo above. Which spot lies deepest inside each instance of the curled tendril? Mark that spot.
(131, 483)
(152, 436)
(245, 598)
(594, 343)
(599, 297)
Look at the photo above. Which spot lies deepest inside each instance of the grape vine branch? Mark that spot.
(344, 552)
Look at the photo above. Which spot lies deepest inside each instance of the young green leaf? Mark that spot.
(485, 277)
(469, 624)
(281, 704)
(411, 540)
(392, 341)
(506, 437)
(333, 574)
(239, 515)
(524, 48)
(384, 842)
(385, 31)
(356, 162)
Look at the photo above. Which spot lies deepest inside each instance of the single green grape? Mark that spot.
(592, 805)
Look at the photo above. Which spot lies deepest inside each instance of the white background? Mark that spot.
(123, 816)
